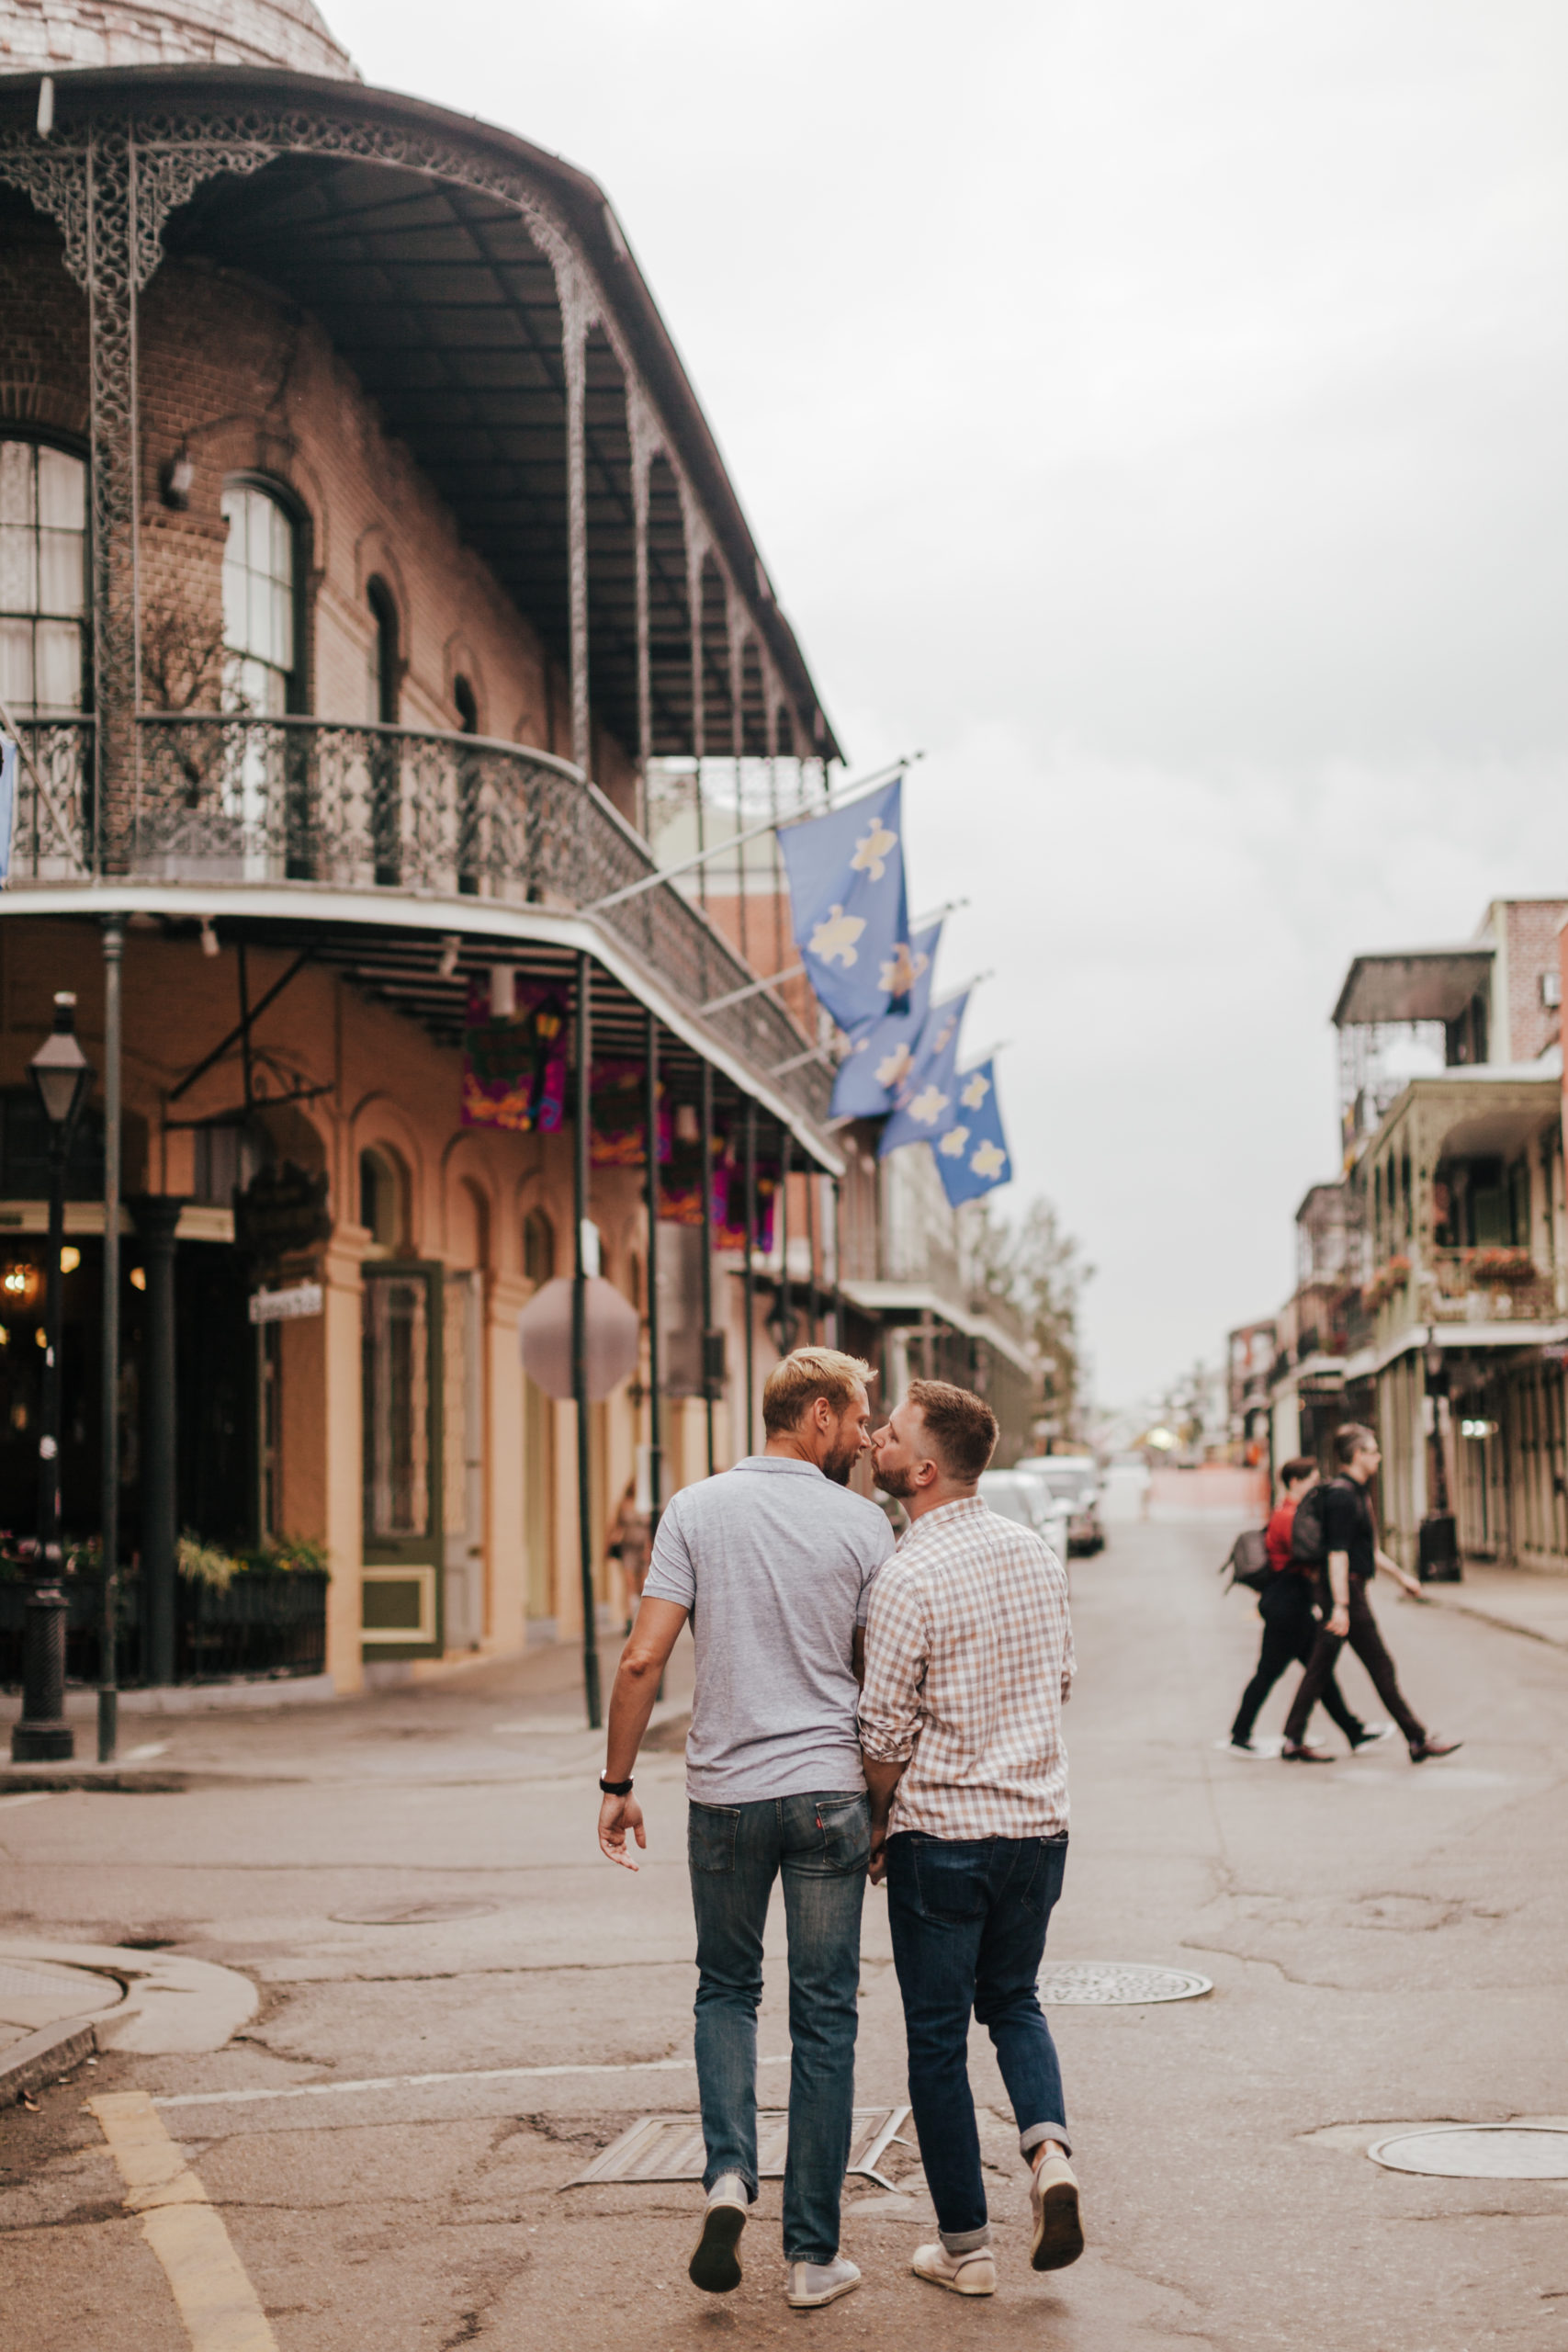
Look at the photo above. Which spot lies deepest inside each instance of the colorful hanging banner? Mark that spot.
(515, 1068)
(617, 1134)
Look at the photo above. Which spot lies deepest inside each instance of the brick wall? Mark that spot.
(252, 385)
(54, 34)
(1532, 950)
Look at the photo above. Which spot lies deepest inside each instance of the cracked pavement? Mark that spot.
(412, 1880)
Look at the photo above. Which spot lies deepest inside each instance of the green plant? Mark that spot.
(205, 1563)
(285, 1555)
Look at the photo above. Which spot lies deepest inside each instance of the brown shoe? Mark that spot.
(1302, 1752)
(1421, 1750)
(1058, 2227)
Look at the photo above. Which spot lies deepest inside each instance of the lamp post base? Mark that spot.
(42, 1735)
(42, 1742)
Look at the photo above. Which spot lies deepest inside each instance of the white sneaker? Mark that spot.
(715, 2265)
(811, 2283)
(1059, 2228)
(966, 2274)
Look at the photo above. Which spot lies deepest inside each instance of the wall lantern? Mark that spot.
(175, 479)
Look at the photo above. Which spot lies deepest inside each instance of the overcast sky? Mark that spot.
(1157, 413)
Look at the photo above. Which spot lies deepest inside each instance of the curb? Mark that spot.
(53, 2049)
(1503, 1624)
(121, 1776)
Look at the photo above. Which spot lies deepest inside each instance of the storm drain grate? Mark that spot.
(1114, 1984)
(1478, 2152)
(670, 2147)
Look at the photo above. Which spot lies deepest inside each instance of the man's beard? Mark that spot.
(838, 1464)
(900, 1484)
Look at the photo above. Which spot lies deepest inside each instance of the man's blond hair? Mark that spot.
(795, 1384)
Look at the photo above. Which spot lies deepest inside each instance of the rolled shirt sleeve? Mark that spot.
(891, 1706)
(671, 1574)
(1069, 1665)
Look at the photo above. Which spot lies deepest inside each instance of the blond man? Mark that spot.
(772, 1562)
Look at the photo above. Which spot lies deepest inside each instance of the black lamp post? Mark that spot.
(61, 1075)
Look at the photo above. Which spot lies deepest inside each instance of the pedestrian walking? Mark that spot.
(969, 1657)
(1289, 1627)
(772, 1562)
(1353, 1557)
(630, 1543)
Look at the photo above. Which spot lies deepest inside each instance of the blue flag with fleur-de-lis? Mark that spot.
(849, 908)
(882, 1052)
(923, 1105)
(972, 1152)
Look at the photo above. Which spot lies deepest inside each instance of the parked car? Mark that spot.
(1072, 1480)
(1030, 1502)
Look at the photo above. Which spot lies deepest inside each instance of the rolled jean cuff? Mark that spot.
(1038, 2132)
(965, 2241)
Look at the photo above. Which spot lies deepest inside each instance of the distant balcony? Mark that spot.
(1488, 1286)
(223, 800)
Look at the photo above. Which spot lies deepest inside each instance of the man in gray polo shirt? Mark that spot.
(772, 1562)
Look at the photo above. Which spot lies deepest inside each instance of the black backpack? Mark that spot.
(1248, 1560)
(1309, 1545)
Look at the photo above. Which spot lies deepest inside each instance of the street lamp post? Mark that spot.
(61, 1075)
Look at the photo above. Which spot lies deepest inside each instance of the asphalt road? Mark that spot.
(413, 1882)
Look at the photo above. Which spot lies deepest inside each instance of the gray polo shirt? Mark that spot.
(775, 1562)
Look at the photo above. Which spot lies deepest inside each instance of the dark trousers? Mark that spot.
(968, 1919)
(1290, 1636)
(1366, 1642)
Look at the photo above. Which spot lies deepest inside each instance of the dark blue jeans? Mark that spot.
(820, 1845)
(969, 1918)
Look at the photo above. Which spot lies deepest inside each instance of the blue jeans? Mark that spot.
(969, 1918)
(821, 1845)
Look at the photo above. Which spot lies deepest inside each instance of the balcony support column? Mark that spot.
(157, 1217)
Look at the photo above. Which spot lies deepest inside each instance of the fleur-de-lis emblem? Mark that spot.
(974, 1092)
(988, 1161)
(901, 970)
(953, 1143)
(895, 1066)
(871, 850)
(835, 937)
(929, 1105)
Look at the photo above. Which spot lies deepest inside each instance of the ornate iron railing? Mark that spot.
(226, 798)
(1489, 1285)
(54, 835)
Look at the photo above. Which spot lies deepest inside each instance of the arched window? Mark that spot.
(381, 675)
(466, 705)
(259, 661)
(538, 1247)
(43, 580)
(381, 1200)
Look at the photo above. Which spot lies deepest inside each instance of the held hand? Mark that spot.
(1339, 1623)
(616, 1815)
(876, 1869)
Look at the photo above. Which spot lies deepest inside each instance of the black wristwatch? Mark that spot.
(615, 1788)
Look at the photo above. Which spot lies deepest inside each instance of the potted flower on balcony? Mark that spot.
(1502, 1265)
(1389, 1278)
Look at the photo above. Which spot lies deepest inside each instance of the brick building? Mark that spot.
(368, 568)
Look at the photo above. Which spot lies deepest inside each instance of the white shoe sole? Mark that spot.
(957, 2284)
(715, 2265)
(1059, 2228)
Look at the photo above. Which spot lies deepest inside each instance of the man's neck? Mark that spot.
(788, 1447)
(929, 1498)
(1362, 1478)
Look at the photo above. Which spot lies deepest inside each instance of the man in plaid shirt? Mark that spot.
(968, 1659)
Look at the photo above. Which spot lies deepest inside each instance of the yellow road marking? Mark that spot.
(218, 2303)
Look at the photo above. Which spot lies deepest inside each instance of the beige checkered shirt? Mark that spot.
(968, 1659)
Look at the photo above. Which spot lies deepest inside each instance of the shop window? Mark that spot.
(43, 580)
(381, 675)
(382, 1207)
(538, 1247)
(259, 598)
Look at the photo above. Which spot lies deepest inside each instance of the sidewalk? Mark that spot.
(1515, 1598)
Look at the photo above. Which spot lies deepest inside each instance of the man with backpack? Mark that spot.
(1345, 1545)
(1289, 1630)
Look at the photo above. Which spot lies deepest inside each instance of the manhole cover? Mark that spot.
(411, 1915)
(1114, 1984)
(1479, 2152)
(670, 2147)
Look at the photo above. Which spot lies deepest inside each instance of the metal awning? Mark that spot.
(879, 1298)
(1420, 984)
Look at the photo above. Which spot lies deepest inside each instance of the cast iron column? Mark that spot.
(655, 1420)
(108, 1504)
(157, 1214)
(786, 1311)
(749, 1278)
(42, 1735)
(710, 1336)
(584, 1056)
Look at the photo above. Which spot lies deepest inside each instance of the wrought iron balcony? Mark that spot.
(306, 801)
(1490, 1286)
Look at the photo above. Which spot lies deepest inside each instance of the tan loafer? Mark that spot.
(1053, 2203)
(963, 2274)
